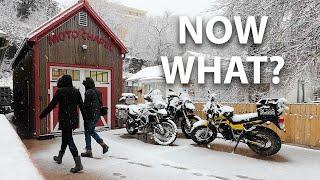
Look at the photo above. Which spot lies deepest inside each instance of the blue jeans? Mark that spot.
(67, 140)
(89, 131)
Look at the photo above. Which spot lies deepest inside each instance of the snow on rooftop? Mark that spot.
(148, 73)
(15, 161)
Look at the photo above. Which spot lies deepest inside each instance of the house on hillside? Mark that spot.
(75, 42)
(148, 78)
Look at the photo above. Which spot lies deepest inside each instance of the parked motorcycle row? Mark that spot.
(161, 118)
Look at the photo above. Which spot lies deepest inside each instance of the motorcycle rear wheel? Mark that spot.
(203, 135)
(169, 135)
(269, 137)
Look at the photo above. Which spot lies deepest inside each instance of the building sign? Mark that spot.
(85, 35)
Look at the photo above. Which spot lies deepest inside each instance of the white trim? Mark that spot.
(81, 88)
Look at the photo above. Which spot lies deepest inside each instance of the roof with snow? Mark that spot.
(62, 17)
(148, 74)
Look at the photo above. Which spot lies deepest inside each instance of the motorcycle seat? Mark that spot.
(241, 118)
(121, 107)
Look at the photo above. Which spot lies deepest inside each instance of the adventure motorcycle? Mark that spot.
(151, 117)
(247, 128)
(181, 109)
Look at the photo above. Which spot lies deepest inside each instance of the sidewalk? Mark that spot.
(131, 158)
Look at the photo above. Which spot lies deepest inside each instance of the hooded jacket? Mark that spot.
(69, 99)
(92, 100)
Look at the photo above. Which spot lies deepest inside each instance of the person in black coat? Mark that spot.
(92, 104)
(69, 99)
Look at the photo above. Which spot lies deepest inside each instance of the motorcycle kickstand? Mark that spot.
(238, 140)
(146, 137)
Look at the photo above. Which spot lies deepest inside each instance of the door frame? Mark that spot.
(83, 67)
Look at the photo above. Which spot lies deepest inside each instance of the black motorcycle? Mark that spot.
(181, 110)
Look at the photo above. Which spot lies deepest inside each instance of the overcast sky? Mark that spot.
(156, 7)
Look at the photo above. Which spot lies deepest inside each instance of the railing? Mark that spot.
(302, 122)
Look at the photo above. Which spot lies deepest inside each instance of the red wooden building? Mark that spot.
(76, 42)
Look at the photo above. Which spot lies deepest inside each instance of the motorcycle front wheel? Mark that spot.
(169, 134)
(269, 141)
(203, 135)
(130, 127)
(186, 130)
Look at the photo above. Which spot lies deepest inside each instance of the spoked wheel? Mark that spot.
(203, 135)
(130, 127)
(265, 141)
(168, 134)
(186, 130)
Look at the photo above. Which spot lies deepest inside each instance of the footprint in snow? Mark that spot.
(197, 174)
(179, 167)
(119, 175)
(140, 164)
(121, 158)
(247, 177)
(218, 177)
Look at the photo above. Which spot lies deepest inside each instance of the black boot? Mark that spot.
(88, 153)
(58, 158)
(78, 166)
(105, 148)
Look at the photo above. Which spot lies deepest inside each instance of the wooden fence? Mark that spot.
(302, 122)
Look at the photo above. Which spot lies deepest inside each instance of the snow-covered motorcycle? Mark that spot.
(151, 117)
(181, 109)
(247, 128)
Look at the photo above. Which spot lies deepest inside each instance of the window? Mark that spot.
(98, 76)
(57, 73)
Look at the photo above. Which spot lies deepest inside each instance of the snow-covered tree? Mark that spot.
(293, 32)
(19, 17)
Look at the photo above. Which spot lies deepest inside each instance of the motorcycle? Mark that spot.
(247, 128)
(151, 117)
(181, 109)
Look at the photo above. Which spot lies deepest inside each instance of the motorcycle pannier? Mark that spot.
(267, 109)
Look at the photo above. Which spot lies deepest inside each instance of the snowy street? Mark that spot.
(134, 157)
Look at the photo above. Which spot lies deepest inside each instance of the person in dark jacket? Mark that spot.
(68, 99)
(92, 104)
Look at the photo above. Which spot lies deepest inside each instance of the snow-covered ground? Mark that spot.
(15, 162)
(132, 158)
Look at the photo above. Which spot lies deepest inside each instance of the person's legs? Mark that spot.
(64, 144)
(87, 134)
(93, 132)
(74, 151)
(95, 135)
(72, 146)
